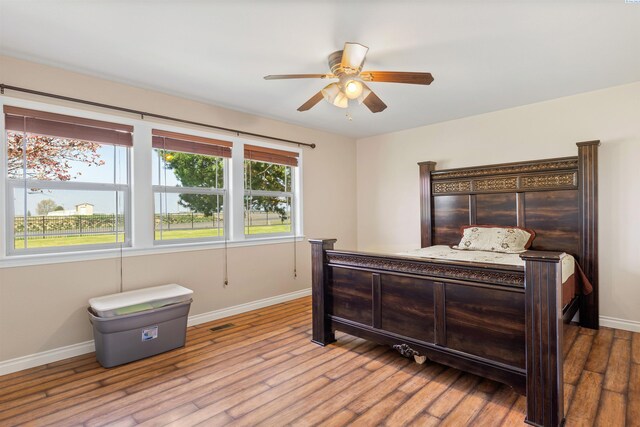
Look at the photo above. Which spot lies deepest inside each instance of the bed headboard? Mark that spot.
(555, 197)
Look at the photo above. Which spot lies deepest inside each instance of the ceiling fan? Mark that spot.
(346, 66)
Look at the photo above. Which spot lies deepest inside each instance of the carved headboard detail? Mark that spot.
(555, 197)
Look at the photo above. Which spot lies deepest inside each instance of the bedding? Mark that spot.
(513, 240)
(570, 284)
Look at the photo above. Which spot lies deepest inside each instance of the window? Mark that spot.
(68, 186)
(67, 182)
(189, 185)
(269, 190)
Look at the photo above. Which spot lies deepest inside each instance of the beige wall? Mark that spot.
(387, 175)
(43, 307)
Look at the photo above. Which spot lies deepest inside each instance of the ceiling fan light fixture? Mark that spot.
(333, 95)
(341, 100)
(353, 89)
(330, 92)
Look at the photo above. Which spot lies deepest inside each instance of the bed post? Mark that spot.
(426, 208)
(543, 330)
(322, 333)
(588, 250)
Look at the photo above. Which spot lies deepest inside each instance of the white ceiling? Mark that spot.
(485, 56)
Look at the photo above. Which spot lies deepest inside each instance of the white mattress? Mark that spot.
(446, 253)
(139, 300)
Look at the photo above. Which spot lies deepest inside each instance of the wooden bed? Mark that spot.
(501, 322)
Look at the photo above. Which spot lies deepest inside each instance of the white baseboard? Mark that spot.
(50, 356)
(42, 358)
(243, 308)
(627, 325)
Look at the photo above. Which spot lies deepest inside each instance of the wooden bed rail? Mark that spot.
(542, 321)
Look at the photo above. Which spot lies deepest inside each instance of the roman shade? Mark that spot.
(173, 141)
(271, 155)
(62, 126)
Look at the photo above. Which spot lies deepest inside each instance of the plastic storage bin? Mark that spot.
(139, 300)
(145, 330)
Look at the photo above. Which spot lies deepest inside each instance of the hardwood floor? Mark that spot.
(264, 371)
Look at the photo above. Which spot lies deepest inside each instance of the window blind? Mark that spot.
(173, 141)
(63, 126)
(271, 155)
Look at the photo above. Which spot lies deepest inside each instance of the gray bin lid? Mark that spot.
(140, 299)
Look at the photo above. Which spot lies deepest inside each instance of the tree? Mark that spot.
(194, 170)
(48, 158)
(268, 177)
(45, 206)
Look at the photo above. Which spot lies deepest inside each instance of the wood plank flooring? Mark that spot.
(264, 371)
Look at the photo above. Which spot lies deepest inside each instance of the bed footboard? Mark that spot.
(544, 323)
(322, 331)
(502, 324)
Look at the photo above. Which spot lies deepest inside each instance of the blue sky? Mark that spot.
(113, 170)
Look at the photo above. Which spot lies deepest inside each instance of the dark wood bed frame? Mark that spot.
(500, 322)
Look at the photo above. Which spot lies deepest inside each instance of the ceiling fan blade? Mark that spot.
(397, 77)
(353, 56)
(374, 103)
(299, 76)
(311, 102)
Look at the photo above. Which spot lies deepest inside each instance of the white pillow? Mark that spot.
(510, 240)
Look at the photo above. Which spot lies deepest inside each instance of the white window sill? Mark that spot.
(57, 258)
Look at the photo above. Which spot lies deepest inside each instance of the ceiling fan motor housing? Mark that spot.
(344, 75)
(335, 65)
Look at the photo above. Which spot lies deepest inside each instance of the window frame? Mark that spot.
(161, 189)
(265, 193)
(10, 185)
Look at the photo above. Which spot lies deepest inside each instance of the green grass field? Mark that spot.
(39, 242)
